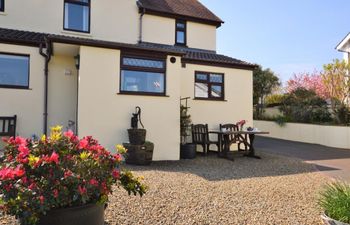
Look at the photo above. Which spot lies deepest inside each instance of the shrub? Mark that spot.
(335, 200)
(59, 171)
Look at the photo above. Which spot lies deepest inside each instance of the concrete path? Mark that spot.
(331, 161)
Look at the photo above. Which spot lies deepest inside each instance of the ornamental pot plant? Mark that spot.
(187, 150)
(61, 179)
(335, 201)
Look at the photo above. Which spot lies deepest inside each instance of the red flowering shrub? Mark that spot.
(58, 172)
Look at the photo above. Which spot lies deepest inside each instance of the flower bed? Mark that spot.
(59, 171)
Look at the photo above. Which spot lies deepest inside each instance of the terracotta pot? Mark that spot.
(91, 214)
(330, 221)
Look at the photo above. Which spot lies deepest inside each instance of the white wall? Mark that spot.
(333, 136)
(106, 115)
(114, 20)
(62, 98)
(27, 104)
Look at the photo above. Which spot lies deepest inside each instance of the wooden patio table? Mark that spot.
(247, 137)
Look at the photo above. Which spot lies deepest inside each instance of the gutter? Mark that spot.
(142, 12)
(47, 56)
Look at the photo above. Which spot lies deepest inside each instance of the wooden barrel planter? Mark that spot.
(139, 154)
(91, 214)
(137, 136)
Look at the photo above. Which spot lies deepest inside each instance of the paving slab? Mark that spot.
(334, 162)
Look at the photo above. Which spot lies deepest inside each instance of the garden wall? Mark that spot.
(332, 136)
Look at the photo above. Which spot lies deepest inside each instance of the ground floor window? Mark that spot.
(142, 75)
(14, 70)
(209, 85)
(2, 5)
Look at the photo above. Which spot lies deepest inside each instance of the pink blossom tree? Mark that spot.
(309, 81)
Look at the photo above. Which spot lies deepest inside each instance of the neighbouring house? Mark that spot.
(344, 46)
(90, 63)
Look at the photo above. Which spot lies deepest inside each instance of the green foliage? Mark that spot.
(59, 171)
(264, 82)
(274, 99)
(281, 120)
(335, 201)
(305, 106)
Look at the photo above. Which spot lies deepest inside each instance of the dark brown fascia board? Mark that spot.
(19, 42)
(182, 17)
(108, 45)
(219, 64)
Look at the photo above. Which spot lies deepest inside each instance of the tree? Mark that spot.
(305, 106)
(309, 81)
(264, 82)
(336, 80)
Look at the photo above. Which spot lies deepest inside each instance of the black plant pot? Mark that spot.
(83, 215)
(188, 151)
(137, 136)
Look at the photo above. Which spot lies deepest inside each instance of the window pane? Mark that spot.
(216, 91)
(1, 5)
(14, 70)
(76, 17)
(180, 25)
(201, 90)
(180, 37)
(200, 76)
(216, 78)
(143, 63)
(142, 81)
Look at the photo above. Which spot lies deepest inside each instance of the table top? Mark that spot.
(238, 132)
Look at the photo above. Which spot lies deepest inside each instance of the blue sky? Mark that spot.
(287, 36)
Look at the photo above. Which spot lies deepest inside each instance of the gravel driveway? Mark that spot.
(208, 190)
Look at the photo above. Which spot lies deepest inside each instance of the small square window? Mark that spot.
(77, 15)
(2, 5)
(209, 86)
(14, 71)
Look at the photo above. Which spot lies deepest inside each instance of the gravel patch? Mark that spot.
(209, 190)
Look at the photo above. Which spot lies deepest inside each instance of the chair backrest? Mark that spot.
(8, 126)
(230, 127)
(200, 133)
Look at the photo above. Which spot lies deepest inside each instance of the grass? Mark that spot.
(335, 200)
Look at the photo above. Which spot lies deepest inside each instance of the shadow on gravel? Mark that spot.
(213, 168)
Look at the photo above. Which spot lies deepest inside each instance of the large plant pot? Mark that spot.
(137, 136)
(139, 154)
(329, 221)
(84, 215)
(188, 151)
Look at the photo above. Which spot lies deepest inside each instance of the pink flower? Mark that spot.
(24, 151)
(55, 193)
(32, 186)
(18, 172)
(83, 144)
(42, 199)
(68, 173)
(116, 174)
(54, 158)
(93, 182)
(20, 141)
(68, 134)
(118, 157)
(82, 190)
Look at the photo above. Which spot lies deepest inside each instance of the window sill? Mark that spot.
(16, 88)
(210, 99)
(143, 94)
(83, 34)
(3, 14)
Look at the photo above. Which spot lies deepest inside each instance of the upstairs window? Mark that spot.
(77, 15)
(209, 86)
(14, 71)
(143, 76)
(2, 5)
(180, 32)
